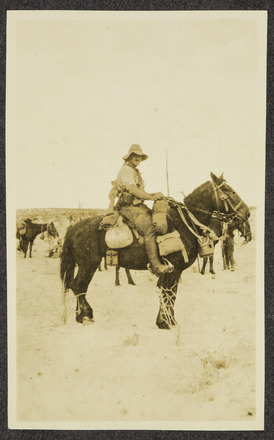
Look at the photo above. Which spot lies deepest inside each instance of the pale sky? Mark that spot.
(83, 86)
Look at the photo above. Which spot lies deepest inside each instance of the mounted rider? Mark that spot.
(129, 187)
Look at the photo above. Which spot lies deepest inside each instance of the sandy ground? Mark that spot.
(122, 367)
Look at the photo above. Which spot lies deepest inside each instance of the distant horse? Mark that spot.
(32, 230)
(117, 270)
(84, 246)
(221, 228)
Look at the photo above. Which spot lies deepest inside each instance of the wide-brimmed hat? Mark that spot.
(136, 149)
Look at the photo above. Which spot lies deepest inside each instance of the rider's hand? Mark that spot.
(158, 196)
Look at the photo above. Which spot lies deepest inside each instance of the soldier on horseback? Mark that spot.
(129, 187)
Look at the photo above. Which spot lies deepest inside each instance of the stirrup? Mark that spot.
(166, 263)
(169, 264)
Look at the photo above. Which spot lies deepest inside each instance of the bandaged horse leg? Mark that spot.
(79, 286)
(169, 285)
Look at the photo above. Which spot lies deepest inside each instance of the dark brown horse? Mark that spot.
(32, 230)
(222, 229)
(84, 246)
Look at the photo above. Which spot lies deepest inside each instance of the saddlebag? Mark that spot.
(170, 243)
(112, 258)
(206, 247)
(119, 236)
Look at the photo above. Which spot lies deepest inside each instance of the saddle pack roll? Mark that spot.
(119, 235)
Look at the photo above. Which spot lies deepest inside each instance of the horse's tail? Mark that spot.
(67, 265)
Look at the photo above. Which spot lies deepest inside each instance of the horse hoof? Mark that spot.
(166, 325)
(83, 319)
(87, 321)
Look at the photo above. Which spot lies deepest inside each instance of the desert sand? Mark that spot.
(122, 368)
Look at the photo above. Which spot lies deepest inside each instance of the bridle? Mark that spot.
(224, 217)
(220, 195)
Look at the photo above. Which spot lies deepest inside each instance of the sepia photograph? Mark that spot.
(135, 173)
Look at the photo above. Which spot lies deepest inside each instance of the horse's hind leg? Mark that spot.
(117, 278)
(79, 287)
(129, 277)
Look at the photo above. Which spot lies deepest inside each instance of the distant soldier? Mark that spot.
(56, 250)
(228, 250)
(71, 221)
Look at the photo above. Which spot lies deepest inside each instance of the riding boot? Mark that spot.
(152, 252)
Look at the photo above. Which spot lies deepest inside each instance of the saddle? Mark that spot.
(120, 235)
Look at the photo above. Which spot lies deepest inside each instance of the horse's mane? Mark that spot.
(192, 197)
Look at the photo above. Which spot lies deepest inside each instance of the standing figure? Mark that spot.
(228, 250)
(129, 187)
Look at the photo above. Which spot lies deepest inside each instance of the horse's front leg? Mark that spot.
(30, 248)
(169, 285)
(25, 248)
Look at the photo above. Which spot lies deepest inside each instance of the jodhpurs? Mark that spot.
(139, 217)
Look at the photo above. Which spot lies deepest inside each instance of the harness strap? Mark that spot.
(196, 222)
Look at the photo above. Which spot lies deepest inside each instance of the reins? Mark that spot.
(219, 194)
(224, 218)
(195, 222)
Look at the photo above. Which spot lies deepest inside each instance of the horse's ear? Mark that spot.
(222, 177)
(215, 179)
(52, 224)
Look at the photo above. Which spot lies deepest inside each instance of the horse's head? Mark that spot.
(52, 230)
(245, 231)
(227, 201)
